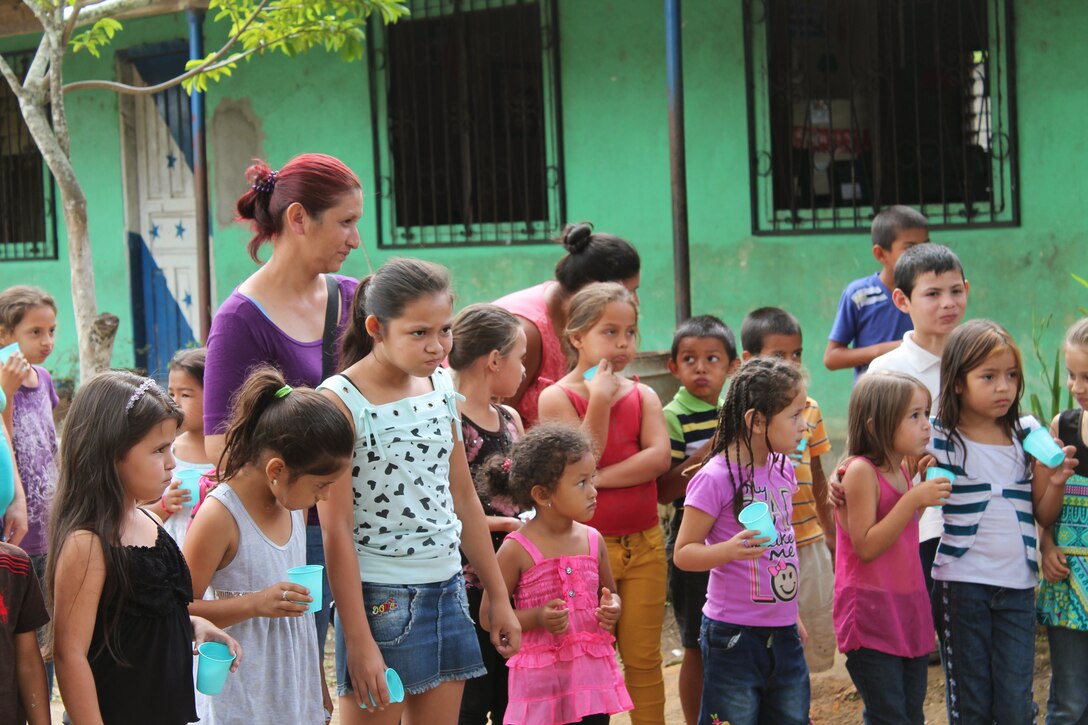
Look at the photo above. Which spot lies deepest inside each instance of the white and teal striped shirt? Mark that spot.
(989, 526)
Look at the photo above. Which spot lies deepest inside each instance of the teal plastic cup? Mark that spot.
(588, 374)
(938, 472)
(757, 517)
(1043, 448)
(308, 576)
(396, 687)
(190, 482)
(7, 351)
(213, 666)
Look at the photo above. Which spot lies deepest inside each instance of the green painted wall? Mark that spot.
(96, 154)
(615, 134)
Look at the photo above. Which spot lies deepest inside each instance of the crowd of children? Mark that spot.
(497, 568)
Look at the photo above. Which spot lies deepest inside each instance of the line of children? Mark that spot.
(751, 636)
(28, 318)
(186, 388)
(1062, 605)
(867, 323)
(392, 531)
(557, 568)
(882, 615)
(251, 531)
(119, 586)
(624, 418)
(486, 359)
(931, 287)
(702, 358)
(774, 333)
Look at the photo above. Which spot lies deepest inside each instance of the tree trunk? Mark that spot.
(95, 333)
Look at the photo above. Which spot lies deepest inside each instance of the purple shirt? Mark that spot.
(761, 592)
(867, 316)
(34, 438)
(242, 337)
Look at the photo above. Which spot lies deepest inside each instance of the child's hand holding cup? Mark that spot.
(937, 487)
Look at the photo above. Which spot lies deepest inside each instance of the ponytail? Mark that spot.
(300, 425)
(385, 294)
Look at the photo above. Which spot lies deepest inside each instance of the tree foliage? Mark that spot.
(257, 27)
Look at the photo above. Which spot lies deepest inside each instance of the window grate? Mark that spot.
(856, 105)
(466, 116)
(28, 229)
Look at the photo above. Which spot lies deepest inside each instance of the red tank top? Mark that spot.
(621, 511)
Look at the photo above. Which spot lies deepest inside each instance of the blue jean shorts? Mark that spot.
(423, 631)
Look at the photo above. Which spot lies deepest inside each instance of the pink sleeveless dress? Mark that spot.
(531, 304)
(883, 604)
(558, 679)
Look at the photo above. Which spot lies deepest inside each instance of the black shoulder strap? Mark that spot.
(328, 335)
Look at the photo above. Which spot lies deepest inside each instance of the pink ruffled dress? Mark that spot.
(558, 679)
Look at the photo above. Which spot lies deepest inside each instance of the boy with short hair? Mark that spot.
(931, 288)
(23, 695)
(773, 332)
(867, 318)
(704, 355)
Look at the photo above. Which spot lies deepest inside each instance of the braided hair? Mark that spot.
(766, 386)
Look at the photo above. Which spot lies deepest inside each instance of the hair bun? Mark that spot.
(576, 237)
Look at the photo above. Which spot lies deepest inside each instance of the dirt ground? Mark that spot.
(834, 699)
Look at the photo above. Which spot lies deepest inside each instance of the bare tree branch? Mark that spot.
(70, 25)
(11, 78)
(149, 90)
(94, 12)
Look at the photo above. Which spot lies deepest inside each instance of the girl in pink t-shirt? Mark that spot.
(751, 640)
(882, 615)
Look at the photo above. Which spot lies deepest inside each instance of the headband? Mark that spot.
(133, 399)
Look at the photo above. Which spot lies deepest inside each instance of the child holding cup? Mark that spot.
(251, 532)
(122, 635)
(882, 616)
(751, 638)
(186, 387)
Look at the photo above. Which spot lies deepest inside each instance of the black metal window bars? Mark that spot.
(855, 105)
(465, 104)
(28, 227)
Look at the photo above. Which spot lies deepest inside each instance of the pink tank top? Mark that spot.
(530, 304)
(883, 604)
(621, 511)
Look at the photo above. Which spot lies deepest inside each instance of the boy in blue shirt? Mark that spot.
(704, 355)
(867, 323)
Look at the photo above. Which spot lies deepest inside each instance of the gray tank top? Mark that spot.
(279, 679)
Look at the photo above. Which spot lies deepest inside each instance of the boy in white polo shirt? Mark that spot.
(929, 286)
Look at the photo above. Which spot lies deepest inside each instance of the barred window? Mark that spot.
(27, 223)
(465, 104)
(855, 105)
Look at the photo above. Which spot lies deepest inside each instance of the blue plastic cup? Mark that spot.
(7, 351)
(213, 666)
(396, 687)
(1043, 448)
(308, 576)
(588, 374)
(938, 472)
(757, 517)
(190, 482)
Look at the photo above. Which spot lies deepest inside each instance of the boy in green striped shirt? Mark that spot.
(704, 355)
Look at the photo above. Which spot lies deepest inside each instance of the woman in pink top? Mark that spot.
(542, 309)
(882, 614)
